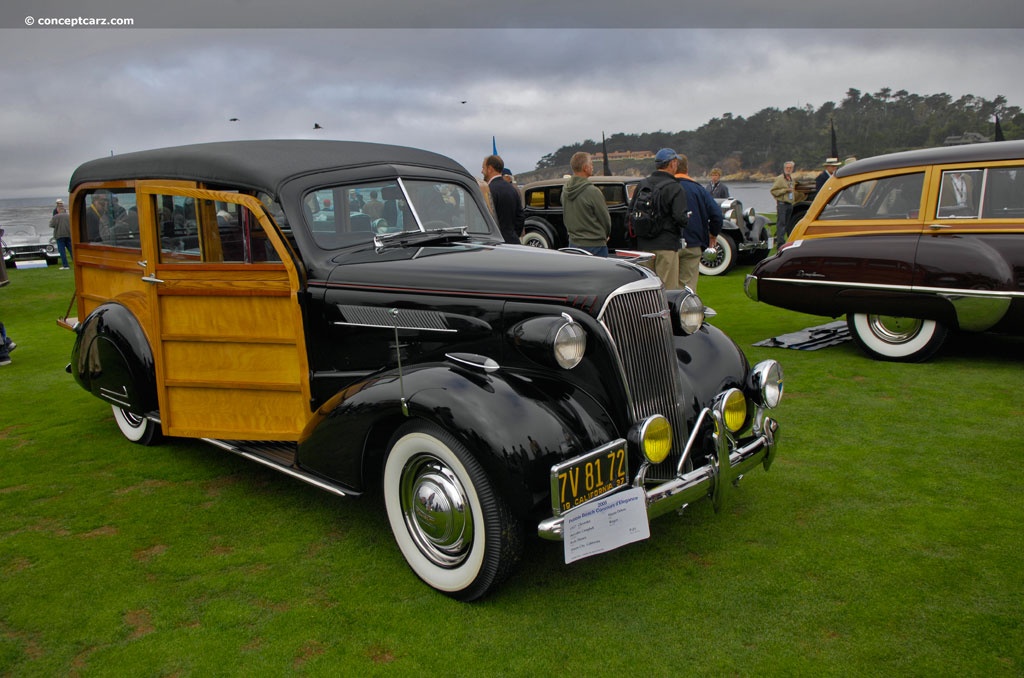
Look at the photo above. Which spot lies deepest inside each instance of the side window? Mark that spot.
(614, 194)
(110, 217)
(196, 231)
(960, 194)
(535, 198)
(1004, 193)
(896, 197)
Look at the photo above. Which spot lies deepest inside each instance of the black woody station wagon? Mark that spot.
(347, 313)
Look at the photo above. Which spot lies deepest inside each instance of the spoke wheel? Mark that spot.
(535, 239)
(896, 339)
(454, 531)
(722, 260)
(135, 428)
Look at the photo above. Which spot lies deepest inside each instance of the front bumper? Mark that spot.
(714, 480)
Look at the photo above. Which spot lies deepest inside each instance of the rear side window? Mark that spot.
(110, 217)
(1004, 193)
(194, 231)
(960, 194)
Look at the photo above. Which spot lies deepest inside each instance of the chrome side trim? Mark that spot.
(952, 291)
(976, 310)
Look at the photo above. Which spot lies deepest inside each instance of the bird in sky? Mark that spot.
(316, 125)
(232, 119)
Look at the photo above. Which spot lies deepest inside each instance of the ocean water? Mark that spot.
(754, 194)
(27, 215)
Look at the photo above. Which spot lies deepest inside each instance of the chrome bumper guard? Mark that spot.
(714, 480)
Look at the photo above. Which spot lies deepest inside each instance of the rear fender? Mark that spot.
(113, 360)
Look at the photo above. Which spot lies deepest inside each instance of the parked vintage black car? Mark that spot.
(545, 224)
(910, 246)
(745, 238)
(347, 314)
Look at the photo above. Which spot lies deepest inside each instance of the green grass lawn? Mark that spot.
(885, 540)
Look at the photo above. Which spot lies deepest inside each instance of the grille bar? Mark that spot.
(637, 319)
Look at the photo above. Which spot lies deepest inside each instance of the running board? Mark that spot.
(279, 456)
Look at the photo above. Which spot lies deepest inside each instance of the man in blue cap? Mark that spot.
(672, 215)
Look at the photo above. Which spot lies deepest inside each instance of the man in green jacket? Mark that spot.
(585, 212)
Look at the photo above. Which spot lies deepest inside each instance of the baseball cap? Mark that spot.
(664, 155)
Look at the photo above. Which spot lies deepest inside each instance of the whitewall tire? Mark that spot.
(453, 529)
(896, 339)
(135, 428)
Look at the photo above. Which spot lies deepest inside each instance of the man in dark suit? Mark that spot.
(505, 201)
(831, 165)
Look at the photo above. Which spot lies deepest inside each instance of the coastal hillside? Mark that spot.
(754, 148)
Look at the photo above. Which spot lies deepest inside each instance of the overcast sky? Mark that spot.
(545, 74)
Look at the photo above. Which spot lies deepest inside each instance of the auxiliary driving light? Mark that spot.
(654, 437)
(733, 407)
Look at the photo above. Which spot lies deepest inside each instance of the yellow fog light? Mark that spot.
(656, 438)
(734, 410)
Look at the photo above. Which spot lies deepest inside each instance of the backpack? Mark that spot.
(644, 219)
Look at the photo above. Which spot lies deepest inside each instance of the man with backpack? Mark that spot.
(658, 215)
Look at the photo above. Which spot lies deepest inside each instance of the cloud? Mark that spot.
(72, 95)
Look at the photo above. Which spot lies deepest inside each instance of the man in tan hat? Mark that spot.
(58, 205)
(831, 165)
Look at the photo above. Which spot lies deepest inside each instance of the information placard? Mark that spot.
(605, 524)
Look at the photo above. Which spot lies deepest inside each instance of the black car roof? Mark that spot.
(996, 150)
(262, 165)
(596, 179)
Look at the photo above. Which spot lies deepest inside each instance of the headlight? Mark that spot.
(766, 380)
(570, 344)
(691, 313)
(654, 438)
(556, 341)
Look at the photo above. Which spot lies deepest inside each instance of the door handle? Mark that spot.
(938, 227)
(151, 279)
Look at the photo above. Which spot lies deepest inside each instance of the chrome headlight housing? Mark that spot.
(766, 381)
(688, 311)
(570, 344)
(554, 341)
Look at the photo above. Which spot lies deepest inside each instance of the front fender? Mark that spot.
(112, 359)
(709, 363)
(516, 427)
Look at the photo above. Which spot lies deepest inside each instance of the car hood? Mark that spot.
(510, 271)
(24, 238)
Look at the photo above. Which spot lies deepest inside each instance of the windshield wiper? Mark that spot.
(417, 238)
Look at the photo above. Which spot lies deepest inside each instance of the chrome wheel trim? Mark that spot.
(895, 330)
(436, 510)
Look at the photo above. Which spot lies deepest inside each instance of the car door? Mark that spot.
(227, 331)
(972, 244)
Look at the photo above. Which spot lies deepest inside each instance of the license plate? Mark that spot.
(584, 478)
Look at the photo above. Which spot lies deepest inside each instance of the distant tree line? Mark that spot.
(865, 125)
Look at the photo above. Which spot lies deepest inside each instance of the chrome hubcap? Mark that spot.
(893, 330)
(436, 510)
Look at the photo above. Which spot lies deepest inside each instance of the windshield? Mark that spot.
(345, 215)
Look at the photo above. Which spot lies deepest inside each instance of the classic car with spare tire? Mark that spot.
(909, 247)
(544, 220)
(347, 314)
(745, 238)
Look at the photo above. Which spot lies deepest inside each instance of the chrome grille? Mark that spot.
(637, 318)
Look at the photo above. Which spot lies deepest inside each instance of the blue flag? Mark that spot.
(494, 146)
